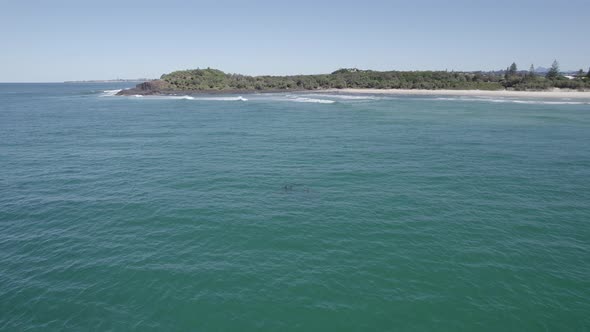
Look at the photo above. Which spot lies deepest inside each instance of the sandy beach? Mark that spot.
(556, 93)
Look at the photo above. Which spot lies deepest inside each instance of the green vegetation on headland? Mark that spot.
(213, 80)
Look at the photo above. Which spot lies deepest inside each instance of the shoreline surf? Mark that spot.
(555, 93)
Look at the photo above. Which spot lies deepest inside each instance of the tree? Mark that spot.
(510, 71)
(553, 72)
(588, 75)
(580, 74)
(531, 72)
(513, 69)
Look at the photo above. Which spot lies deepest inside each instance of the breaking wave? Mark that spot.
(174, 97)
(517, 101)
(110, 93)
(333, 98)
(346, 97)
(538, 102)
(239, 98)
(187, 97)
(311, 100)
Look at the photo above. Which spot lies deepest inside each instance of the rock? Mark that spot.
(145, 88)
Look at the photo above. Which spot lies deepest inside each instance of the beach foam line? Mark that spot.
(539, 102)
(555, 93)
(473, 99)
(516, 101)
(346, 97)
(311, 100)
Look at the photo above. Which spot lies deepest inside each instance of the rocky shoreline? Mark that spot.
(214, 81)
(158, 87)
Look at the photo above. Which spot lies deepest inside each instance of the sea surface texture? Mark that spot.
(291, 212)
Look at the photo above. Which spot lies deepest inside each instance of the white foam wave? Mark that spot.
(538, 102)
(311, 100)
(187, 97)
(110, 93)
(346, 97)
(179, 97)
(473, 99)
(516, 101)
(239, 98)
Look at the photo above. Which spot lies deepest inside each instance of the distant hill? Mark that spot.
(541, 70)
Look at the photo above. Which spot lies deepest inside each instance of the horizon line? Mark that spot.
(131, 80)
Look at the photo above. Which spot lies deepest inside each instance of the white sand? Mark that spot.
(555, 93)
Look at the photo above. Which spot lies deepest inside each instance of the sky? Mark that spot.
(52, 41)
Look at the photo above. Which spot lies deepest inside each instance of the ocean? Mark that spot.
(291, 212)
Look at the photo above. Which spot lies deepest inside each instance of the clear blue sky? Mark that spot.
(74, 40)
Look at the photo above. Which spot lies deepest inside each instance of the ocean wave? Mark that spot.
(323, 98)
(541, 102)
(516, 101)
(239, 98)
(175, 97)
(110, 93)
(311, 100)
(346, 97)
(187, 97)
(491, 100)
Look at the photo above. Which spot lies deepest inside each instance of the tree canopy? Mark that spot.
(553, 72)
(213, 80)
(512, 70)
(216, 80)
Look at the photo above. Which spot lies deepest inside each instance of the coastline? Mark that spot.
(555, 93)
(435, 83)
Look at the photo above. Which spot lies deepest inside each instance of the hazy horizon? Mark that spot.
(69, 41)
(131, 79)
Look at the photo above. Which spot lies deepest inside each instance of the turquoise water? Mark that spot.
(291, 212)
